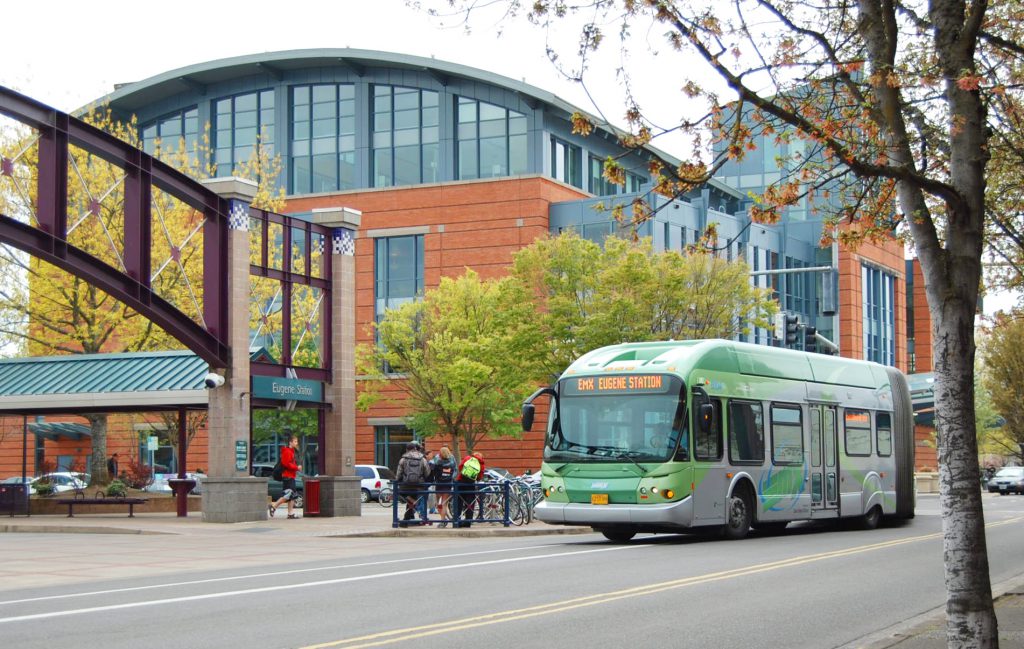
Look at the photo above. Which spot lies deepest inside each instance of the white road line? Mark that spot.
(296, 571)
(312, 584)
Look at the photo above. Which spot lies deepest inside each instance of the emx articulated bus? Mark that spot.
(672, 436)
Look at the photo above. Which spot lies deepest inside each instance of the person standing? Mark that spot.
(112, 467)
(470, 470)
(443, 470)
(413, 473)
(291, 468)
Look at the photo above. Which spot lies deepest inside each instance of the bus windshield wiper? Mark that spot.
(618, 454)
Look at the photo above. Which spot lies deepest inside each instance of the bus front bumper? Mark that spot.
(677, 514)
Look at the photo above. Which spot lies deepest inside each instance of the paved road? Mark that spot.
(809, 587)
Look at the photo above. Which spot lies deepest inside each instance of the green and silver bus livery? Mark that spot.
(672, 436)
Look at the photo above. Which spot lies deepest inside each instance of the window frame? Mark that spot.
(729, 431)
(716, 433)
(800, 425)
(847, 427)
(878, 430)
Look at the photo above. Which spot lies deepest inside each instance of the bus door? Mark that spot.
(823, 470)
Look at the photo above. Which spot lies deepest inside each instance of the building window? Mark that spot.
(879, 315)
(797, 289)
(240, 123)
(566, 160)
(175, 132)
(323, 138)
(398, 273)
(634, 182)
(600, 185)
(389, 445)
(491, 140)
(405, 136)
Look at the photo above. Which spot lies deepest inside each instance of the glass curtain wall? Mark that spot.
(405, 136)
(879, 315)
(240, 122)
(323, 138)
(491, 140)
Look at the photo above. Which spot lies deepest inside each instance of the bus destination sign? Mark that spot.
(619, 384)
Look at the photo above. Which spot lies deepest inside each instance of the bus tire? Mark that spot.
(870, 520)
(739, 515)
(618, 536)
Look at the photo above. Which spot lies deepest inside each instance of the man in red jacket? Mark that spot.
(288, 491)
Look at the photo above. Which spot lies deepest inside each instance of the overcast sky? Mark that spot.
(71, 54)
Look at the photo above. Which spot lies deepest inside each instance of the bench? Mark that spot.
(131, 502)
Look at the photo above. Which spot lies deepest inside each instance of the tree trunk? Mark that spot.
(98, 462)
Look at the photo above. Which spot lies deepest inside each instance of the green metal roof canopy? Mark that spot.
(141, 381)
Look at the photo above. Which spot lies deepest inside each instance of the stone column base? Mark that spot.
(234, 500)
(339, 495)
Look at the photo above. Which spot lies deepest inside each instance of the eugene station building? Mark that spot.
(449, 167)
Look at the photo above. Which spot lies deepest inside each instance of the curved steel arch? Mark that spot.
(48, 241)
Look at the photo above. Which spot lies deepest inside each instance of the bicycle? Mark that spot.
(384, 496)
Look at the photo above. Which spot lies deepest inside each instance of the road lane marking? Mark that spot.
(324, 582)
(214, 580)
(452, 626)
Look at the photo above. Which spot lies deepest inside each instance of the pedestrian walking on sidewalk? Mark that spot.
(413, 474)
(443, 472)
(470, 470)
(290, 468)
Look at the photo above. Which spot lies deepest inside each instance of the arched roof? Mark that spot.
(132, 96)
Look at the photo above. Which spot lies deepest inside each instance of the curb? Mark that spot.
(930, 621)
(68, 529)
(465, 533)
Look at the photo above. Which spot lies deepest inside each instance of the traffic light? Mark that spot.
(792, 329)
(810, 339)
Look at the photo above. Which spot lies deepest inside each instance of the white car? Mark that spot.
(161, 485)
(63, 481)
(374, 478)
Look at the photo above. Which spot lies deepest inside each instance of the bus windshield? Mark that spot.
(618, 418)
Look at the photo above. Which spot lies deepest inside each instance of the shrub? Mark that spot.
(45, 488)
(137, 475)
(117, 489)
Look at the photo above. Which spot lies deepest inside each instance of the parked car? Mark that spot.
(374, 478)
(274, 487)
(160, 482)
(62, 481)
(1007, 479)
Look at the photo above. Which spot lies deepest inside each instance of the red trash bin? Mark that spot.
(311, 497)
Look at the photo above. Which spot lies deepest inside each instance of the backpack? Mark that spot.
(278, 473)
(415, 470)
(471, 469)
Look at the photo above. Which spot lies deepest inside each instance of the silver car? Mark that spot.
(1007, 479)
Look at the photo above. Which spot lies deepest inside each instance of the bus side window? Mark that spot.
(746, 432)
(708, 446)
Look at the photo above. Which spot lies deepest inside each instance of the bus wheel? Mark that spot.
(870, 520)
(618, 536)
(739, 516)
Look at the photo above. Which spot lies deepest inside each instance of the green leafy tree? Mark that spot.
(898, 108)
(589, 295)
(1003, 354)
(463, 357)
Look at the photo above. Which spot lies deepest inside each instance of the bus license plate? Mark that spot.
(598, 499)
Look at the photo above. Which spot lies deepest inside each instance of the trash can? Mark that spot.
(311, 497)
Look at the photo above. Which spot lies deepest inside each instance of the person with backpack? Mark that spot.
(443, 468)
(413, 473)
(287, 471)
(470, 470)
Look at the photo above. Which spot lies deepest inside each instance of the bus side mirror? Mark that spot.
(527, 417)
(705, 414)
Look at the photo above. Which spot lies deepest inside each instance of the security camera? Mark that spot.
(213, 380)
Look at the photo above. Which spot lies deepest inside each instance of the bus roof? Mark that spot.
(684, 356)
